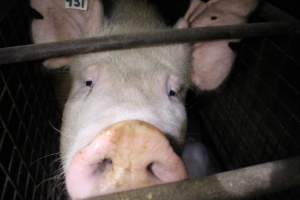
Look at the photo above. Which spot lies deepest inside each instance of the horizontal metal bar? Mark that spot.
(115, 42)
(243, 183)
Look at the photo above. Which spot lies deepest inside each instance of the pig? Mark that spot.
(212, 60)
(125, 116)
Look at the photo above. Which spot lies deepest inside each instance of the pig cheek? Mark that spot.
(68, 131)
(180, 123)
(78, 114)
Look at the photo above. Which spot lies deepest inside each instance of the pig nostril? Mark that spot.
(150, 170)
(107, 161)
(104, 165)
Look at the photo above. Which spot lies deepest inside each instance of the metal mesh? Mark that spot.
(257, 111)
(255, 116)
(28, 143)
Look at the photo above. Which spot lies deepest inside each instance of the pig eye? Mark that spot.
(172, 93)
(213, 17)
(174, 87)
(89, 83)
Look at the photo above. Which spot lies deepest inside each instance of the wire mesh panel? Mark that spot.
(28, 143)
(255, 116)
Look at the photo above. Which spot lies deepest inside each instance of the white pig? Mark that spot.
(212, 60)
(124, 104)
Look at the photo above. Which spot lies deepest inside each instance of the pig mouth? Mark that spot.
(127, 155)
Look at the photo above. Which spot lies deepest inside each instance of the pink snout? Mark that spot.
(127, 155)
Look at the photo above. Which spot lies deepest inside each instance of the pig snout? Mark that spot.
(127, 155)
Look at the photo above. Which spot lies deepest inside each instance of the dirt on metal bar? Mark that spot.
(242, 183)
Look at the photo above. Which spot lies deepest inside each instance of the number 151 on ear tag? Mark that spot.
(76, 4)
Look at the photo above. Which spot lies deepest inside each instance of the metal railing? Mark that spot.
(162, 37)
(242, 183)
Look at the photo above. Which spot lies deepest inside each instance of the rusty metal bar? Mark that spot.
(115, 42)
(242, 183)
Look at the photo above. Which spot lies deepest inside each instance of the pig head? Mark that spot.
(125, 113)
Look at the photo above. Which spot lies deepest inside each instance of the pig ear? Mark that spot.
(212, 60)
(55, 23)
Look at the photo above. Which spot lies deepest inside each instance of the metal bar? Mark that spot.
(272, 13)
(243, 183)
(115, 42)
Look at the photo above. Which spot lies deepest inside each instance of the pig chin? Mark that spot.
(127, 155)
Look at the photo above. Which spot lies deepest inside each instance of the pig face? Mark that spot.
(126, 85)
(126, 107)
(129, 85)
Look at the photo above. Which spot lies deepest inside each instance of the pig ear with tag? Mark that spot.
(212, 60)
(58, 23)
